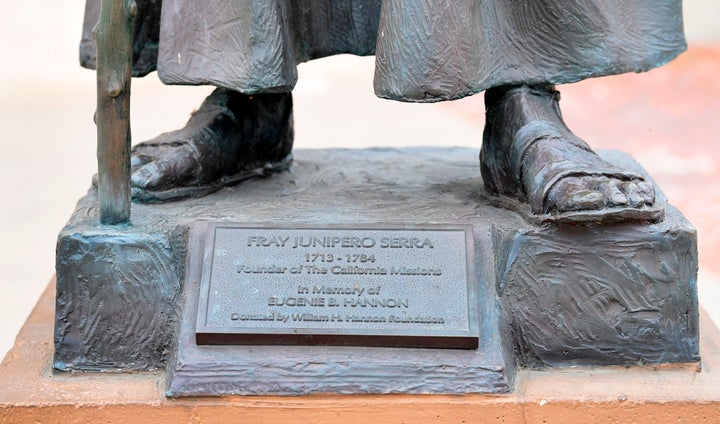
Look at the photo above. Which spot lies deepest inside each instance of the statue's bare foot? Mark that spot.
(529, 153)
(231, 137)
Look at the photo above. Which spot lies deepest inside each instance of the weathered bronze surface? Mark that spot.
(608, 282)
(114, 61)
(356, 285)
(201, 370)
(550, 295)
(516, 51)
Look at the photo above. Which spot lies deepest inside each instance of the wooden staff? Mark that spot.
(113, 34)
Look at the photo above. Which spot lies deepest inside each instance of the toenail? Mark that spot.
(144, 176)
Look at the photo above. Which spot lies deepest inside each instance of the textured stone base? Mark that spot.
(552, 295)
(610, 295)
(296, 370)
(117, 299)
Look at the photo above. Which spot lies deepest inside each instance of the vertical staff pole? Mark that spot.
(113, 34)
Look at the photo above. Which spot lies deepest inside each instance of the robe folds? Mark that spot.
(426, 50)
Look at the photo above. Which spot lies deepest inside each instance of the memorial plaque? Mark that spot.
(367, 286)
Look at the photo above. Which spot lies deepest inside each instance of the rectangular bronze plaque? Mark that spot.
(367, 286)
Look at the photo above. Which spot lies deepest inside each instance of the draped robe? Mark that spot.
(426, 50)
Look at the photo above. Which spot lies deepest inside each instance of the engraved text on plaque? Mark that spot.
(410, 287)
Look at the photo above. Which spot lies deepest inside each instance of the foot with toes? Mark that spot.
(529, 153)
(231, 137)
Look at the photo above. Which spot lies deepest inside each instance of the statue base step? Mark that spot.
(30, 392)
(548, 295)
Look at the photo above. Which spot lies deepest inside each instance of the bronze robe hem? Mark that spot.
(426, 50)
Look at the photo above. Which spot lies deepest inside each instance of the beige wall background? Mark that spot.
(47, 135)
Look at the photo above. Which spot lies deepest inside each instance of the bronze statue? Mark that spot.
(426, 51)
(130, 297)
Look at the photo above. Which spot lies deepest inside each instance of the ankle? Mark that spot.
(497, 95)
(265, 124)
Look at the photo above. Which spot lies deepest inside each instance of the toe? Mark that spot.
(138, 160)
(646, 192)
(638, 192)
(630, 188)
(146, 177)
(611, 190)
(145, 153)
(169, 171)
(573, 194)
